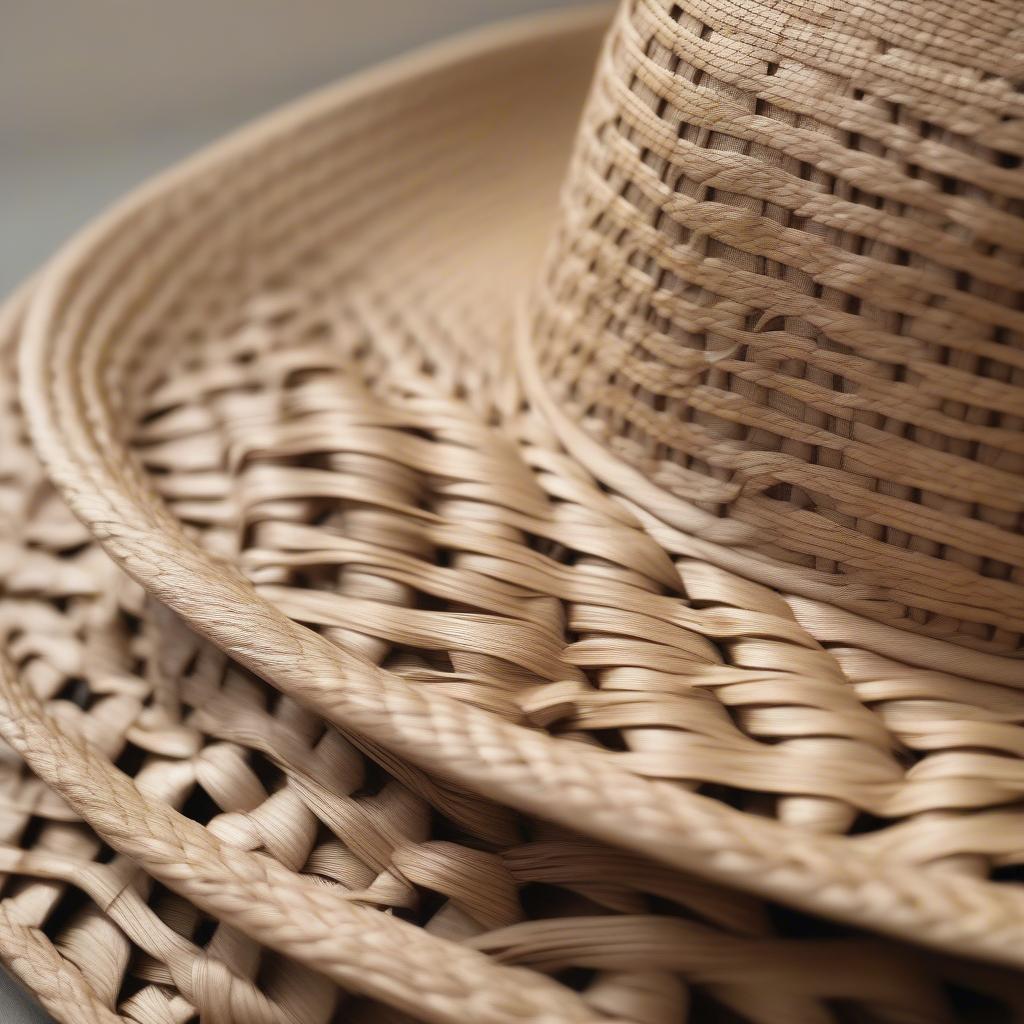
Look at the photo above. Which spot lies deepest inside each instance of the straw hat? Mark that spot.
(696, 538)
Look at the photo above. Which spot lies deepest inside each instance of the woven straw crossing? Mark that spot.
(407, 710)
(203, 736)
(787, 289)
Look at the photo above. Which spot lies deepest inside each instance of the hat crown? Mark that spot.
(784, 297)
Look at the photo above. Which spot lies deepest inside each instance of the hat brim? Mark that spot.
(395, 223)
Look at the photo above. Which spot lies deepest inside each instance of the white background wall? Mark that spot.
(96, 96)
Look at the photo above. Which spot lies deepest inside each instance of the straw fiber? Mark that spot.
(189, 924)
(359, 690)
(787, 290)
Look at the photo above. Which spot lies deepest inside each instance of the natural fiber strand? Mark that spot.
(279, 386)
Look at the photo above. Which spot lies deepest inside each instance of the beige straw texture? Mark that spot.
(201, 735)
(787, 290)
(336, 835)
(408, 711)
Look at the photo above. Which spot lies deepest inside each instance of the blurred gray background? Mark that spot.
(95, 97)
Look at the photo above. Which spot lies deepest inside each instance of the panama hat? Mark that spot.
(680, 514)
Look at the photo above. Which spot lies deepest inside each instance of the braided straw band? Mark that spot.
(65, 390)
(358, 947)
(72, 377)
(54, 980)
(793, 977)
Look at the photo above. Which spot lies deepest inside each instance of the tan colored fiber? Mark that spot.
(505, 761)
(486, 659)
(54, 981)
(357, 947)
(125, 916)
(383, 848)
(786, 289)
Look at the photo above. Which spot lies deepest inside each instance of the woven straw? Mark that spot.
(787, 291)
(410, 694)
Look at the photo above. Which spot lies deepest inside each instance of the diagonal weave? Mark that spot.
(277, 386)
(201, 735)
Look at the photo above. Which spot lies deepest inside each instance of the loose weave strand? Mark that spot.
(232, 714)
(380, 703)
(359, 948)
(280, 387)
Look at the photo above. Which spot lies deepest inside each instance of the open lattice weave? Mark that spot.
(202, 735)
(307, 356)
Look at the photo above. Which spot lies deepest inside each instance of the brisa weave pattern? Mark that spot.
(403, 713)
(182, 918)
(787, 288)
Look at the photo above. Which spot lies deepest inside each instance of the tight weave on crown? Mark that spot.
(787, 289)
